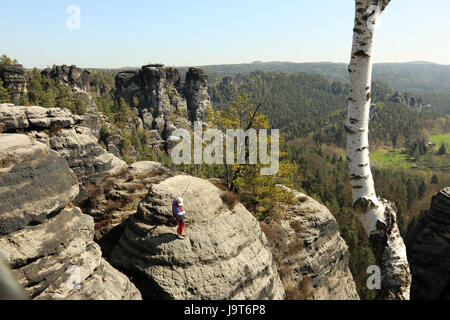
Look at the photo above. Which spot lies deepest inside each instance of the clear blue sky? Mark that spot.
(202, 32)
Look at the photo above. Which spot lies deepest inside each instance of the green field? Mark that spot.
(399, 158)
(391, 157)
(440, 139)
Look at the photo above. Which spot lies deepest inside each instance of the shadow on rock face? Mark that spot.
(162, 239)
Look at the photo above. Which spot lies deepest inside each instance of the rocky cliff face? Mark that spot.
(14, 79)
(415, 103)
(429, 251)
(161, 101)
(43, 237)
(63, 132)
(311, 255)
(196, 93)
(224, 256)
(35, 182)
(78, 79)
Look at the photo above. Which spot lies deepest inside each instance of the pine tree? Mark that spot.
(4, 94)
(442, 150)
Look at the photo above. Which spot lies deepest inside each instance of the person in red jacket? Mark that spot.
(178, 213)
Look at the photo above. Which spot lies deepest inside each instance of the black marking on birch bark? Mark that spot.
(362, 53)
(357, 187)
(369, 96)
(351, 99)
(353, 120)
(367, 88)
(358, 31)
(356, 177)
(348, 130)
(362, 149)
(349, 160)
(363, 165)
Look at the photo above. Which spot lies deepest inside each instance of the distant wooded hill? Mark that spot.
(301, 104)
(405, 77)
(429, 80)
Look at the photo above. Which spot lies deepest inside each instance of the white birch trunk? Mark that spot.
(379, 222)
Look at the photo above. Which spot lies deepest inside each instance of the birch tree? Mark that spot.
(378, 216)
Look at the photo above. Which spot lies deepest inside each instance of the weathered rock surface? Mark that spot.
(62, 132)
(79, 81)
(162, 100)
(34, 182)
(14, 118)
(224, 255)
(310, 253)
(90, 162)
(196, 92)
(429, 251)
(14, 79)
(72, 76)
(118, 200)
(48, 242)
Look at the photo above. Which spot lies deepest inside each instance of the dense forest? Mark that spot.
(301, 104)
(427, 79)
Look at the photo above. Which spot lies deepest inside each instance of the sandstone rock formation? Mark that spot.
(14, 79)
(62, 132)
(309, 251)
(48, 242)
(78, 79)
(34, 182)
(429, 251)
(196, 92)
(112, 204)
(224, 255)
(162, 102)
(411, 101)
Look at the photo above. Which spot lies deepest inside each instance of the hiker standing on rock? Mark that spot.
(178, 213)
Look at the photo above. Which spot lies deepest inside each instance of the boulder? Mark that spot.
(224, 255)
(147, 119)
